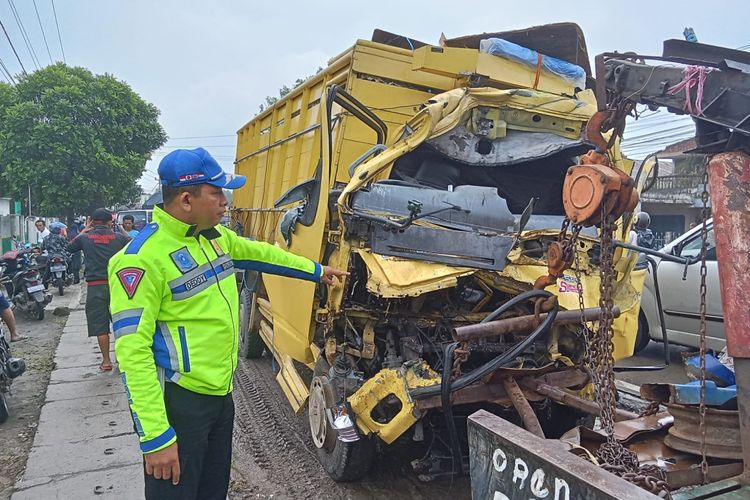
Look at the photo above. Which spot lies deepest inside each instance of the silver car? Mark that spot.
(681, 298)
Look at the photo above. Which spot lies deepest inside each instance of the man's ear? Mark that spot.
(185, 204)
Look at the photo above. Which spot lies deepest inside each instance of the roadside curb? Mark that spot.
(84, 446)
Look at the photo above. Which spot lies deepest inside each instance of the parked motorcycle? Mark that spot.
(10, 368)
(57, 272)
(24, 285)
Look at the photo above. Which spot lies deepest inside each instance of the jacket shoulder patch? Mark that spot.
(135, 245)
(130, 278)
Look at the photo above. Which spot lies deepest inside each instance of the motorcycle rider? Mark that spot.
(640, 234)
(56, 244)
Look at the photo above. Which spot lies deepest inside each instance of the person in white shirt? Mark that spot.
(41, 230)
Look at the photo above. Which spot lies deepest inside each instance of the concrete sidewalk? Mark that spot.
(84, 446)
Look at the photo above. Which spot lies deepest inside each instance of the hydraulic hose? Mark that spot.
(498, 362)
(445, 393)
(515, 300)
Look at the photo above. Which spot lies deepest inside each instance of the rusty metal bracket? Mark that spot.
(524, 409)
(568, 399)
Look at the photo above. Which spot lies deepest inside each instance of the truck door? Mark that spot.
(305, 229)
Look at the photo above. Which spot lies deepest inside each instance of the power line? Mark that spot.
(12, 47)
(650, 136)
(202, 137)
(24, 35)
(59, 37)
(7, 74)
(44, 36)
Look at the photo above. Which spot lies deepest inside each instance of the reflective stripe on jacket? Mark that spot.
(174, 306)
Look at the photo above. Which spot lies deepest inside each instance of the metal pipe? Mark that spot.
(524, 324)
(524, 409)
(656, 253)
(568, 399)
(660, 309)
(729, 181)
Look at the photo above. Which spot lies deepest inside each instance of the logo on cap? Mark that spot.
(130, 278)
(192, 177)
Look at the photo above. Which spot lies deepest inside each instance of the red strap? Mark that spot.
(97, 282)
(538, 69)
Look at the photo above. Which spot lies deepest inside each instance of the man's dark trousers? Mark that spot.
(75, 266)
(204, 441)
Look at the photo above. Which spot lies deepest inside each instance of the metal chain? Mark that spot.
(651, 409)
(612, 454)
(702, 327)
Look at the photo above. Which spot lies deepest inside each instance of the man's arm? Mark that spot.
(136, 291)
(264, 257)
(75, 245)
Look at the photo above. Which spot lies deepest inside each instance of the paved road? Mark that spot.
(27, 391)
(84, 446)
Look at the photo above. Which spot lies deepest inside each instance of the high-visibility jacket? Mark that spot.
(174, 305)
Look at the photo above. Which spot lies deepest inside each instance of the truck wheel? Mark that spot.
(4, 413)
(342, 461)
(642, 338)
(251, 343)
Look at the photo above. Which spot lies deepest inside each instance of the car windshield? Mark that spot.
(693, 247)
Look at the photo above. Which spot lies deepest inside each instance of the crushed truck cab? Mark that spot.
(439, 188)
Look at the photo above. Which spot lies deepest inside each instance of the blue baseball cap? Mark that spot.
(187, 167)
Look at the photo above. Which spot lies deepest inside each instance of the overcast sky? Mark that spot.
(207, 65)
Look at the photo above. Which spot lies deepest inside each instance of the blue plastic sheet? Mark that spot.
(571, 73)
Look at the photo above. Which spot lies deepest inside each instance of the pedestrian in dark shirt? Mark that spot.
(99, 243)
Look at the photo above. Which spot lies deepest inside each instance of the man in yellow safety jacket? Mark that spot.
(174, 304)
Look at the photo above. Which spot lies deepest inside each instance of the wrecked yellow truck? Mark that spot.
(433, 174)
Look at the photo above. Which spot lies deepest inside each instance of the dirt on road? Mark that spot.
(28, 392)
(274, 456)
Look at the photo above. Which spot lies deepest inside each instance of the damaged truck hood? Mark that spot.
(396, 277)
(446, 111)
(479, 231)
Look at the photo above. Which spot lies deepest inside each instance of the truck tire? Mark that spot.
(342, 461)
(251, 344)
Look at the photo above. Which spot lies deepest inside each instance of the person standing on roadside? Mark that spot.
(175, 321)
(128, 224)
(75, 259)
(99, 243)
(41, 230)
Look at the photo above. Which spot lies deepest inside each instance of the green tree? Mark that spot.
(79, 140)
(283, 91)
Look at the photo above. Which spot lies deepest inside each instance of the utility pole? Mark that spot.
(28, 234)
